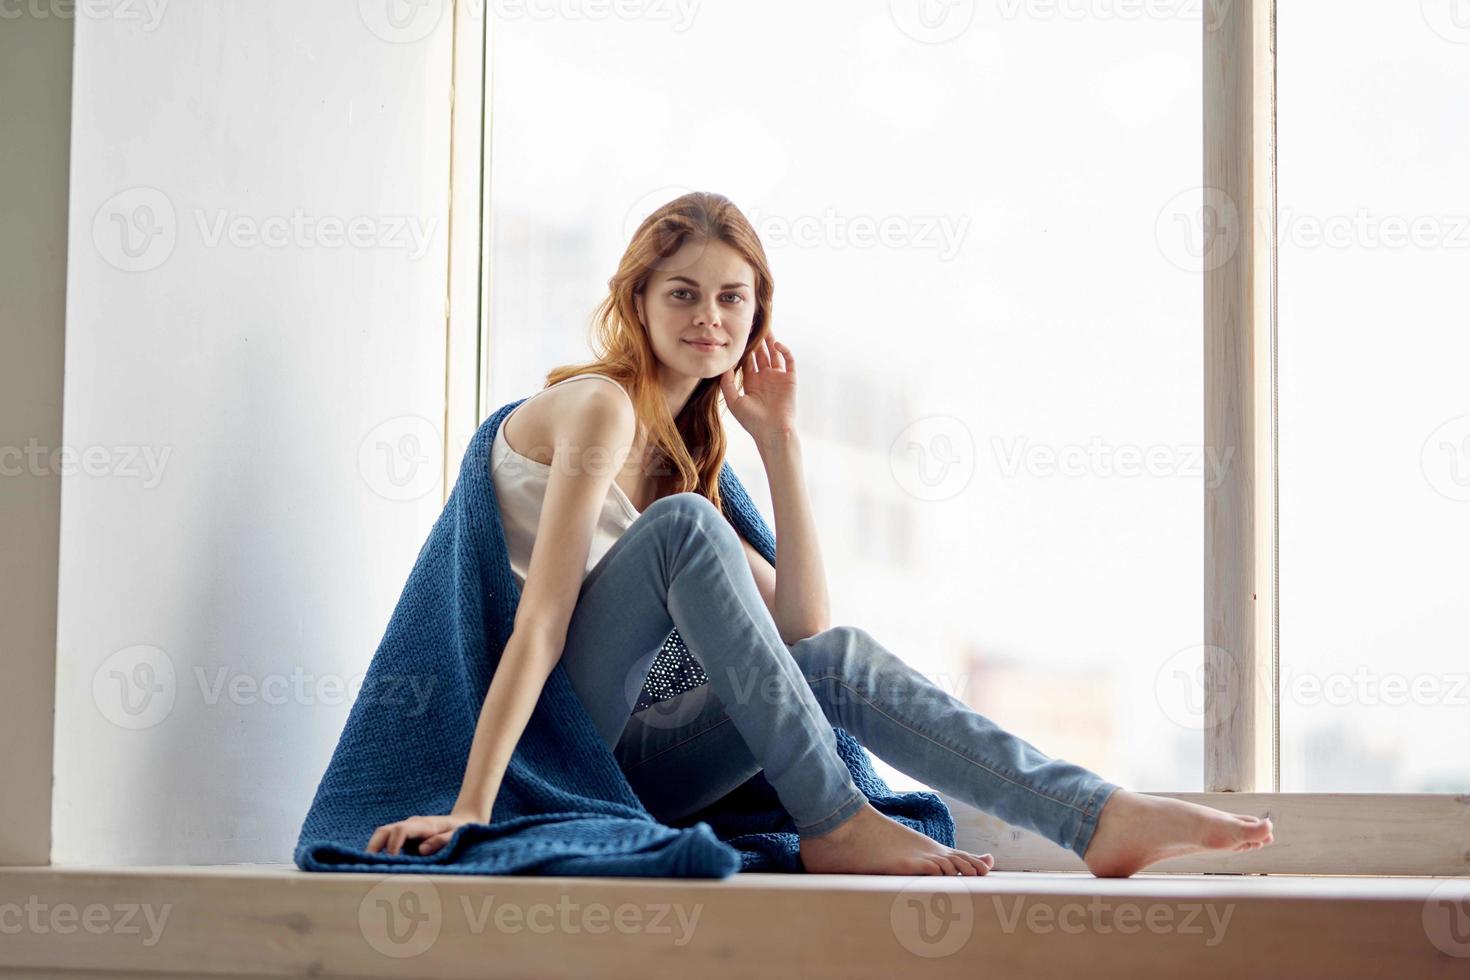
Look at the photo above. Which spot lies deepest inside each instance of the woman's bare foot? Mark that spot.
(870, 843)
(1134, 830)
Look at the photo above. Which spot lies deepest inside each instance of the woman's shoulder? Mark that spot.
(531, 427)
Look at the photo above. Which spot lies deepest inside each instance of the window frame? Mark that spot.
(1316, 833)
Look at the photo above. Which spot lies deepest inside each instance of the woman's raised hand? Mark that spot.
(767, 406)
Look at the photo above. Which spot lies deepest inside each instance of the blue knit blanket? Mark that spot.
(564, 806)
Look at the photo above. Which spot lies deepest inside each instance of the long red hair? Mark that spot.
(687, 452)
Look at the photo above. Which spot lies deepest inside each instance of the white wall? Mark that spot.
(253, 485)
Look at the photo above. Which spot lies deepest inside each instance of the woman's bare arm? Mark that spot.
(798, 583)
(795, 590)
(592, 433)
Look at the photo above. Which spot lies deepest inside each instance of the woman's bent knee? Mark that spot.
(850, 652)
(687, 502)
(699, 510)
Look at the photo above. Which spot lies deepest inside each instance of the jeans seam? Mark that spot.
(925, 735)
(1087, 815)
(683, 741)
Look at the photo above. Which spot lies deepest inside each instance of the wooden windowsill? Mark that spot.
(274, 920)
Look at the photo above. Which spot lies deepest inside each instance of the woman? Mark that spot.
(607, 482)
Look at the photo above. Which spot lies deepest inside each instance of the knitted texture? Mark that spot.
(564, 807)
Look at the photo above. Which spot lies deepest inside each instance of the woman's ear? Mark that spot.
(638, 302)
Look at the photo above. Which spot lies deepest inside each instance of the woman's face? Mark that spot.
(704, 291)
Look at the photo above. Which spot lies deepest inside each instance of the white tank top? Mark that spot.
(520, 486)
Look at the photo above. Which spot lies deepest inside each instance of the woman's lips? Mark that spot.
(697, 345)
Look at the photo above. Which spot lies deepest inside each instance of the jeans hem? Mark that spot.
(841, 815)
(1087, 824)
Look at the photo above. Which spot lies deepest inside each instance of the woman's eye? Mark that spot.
(676, 293)
(735, 297)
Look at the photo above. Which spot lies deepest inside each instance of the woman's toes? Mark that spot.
(977, 866)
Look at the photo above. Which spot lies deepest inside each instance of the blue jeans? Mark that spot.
(771, 706)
